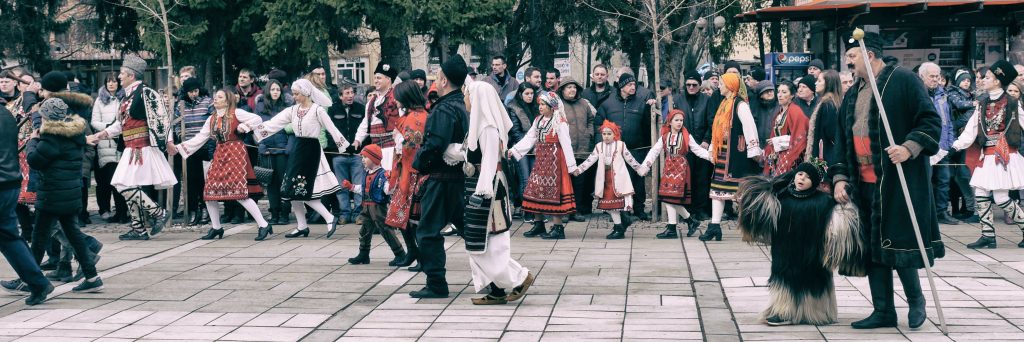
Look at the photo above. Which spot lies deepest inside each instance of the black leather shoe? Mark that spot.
(264, 232)
(578, 218)
(213, 234)
(39, 296)
(983, 242)
(692, 225)
(304, 232)
(557, 233)
(669, 233)
(417, 268)
(426, 292)
(537, 230)
(876, 320)
(945, 218)
(617, 233)
(714, 231)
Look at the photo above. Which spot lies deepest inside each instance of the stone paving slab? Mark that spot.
(175, 287)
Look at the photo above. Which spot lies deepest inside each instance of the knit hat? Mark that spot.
(386, 70)
(625, 79)
(1004, 72)
(808, 81)
(372, 152)
(814, 171)
(191, 84)
(758, 74)
(278, 74)
(962, 75)
(55, 81)
(817, 63)
(692, 75)
(54, 109)
(732, 64)
(418, 74)
(711, 73)
(666, 83)
(764, 86)
(134, 63)
(455, 70)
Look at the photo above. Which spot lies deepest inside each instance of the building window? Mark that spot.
(352, 70)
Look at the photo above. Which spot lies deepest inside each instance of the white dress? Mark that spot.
(308, 126)
(138, 167)
(990, 175)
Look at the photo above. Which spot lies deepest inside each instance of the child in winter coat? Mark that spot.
(612, 186)
(375, 208)
(675, 188)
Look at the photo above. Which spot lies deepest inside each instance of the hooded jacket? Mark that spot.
(58, 156)
(580, 116)
(81, 105)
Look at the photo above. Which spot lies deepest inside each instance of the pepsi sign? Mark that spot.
(793, 59)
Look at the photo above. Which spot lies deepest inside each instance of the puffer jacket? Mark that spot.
(81, 105)
(104, 115)
(58, 155)
(580, 115)
(632, 114)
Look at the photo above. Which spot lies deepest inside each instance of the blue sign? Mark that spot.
(792, 59)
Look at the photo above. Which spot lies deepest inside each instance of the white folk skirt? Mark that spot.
(495, 265)
(991, 176)
(144, 166)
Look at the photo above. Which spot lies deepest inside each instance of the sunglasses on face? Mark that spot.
(692, 85)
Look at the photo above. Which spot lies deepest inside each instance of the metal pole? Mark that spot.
(858, 34)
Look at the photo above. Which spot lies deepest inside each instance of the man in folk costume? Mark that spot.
(142, 121)
(488, 215)
(382, 114)
(734, 147)
(867, 175)
(442, 193)
(992, 138)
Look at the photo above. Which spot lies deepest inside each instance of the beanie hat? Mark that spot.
(54, 81)
(692, 75)
(817, 63)
(386, 70)
(418, 74)
(625, 79)
(455, 70)
(814, 171)
(808, 81)
(732, 64)
(758, 74)
(962, 75)
(54, 109)
(372, 152)
(709, 74)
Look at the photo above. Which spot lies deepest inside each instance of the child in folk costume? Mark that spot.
(308, 177)
(375, 203)
(403, 210)
(612, 185)
(992, 138)
(488, 213)
(231, 177)
(675, 189)
(549, 188)
(810, 238)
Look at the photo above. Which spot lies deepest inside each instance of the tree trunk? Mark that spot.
(169, 93)
(394, 50)
(654, 119)
(775, 31)
(542, 38)
(796, 36)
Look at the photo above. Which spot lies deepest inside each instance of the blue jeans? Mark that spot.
(525, 166)
(13, 245)
(349, 168)
(941, 177)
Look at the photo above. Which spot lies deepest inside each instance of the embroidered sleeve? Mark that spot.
(628, 157)
(654, 153)
(111, 131)
(190, 146)
(594, 156)
(268, 128)
(326, 123)
(526, 144)
(699, 150)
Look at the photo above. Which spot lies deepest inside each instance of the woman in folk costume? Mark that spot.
(549, 189)
(308, 176)
(992, 138)
(488, 213)
(612, 186)
(403, 210)
(735, 150)
(788, 137)
(810, 238)
(675, 188)
(231, 177)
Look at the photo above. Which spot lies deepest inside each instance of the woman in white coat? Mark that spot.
(104, 114)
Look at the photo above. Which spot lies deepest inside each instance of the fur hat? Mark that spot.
(1004, 72)
(732, 64)
(814, 171)
(135, 63)
(54, 81)
(191, 84)
(54, 110)
(386, 70)
(372, 152)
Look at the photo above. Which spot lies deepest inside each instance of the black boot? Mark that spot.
(264, 232)
(557, 233)
(537, 230)
(983, 242)
(197, 217)
(398, 260)
(213, 234)
(409, 236)
(273, 216)
(618, 232)
(62, 274)
(915, 298)
(361, 259)
(714, 232)
(669, 233)
(884, 314)
(577, 217)
(282, 216)
(692, 225)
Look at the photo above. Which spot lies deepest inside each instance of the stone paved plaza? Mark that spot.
(176, 287)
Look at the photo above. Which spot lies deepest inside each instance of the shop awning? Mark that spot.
(897, 13)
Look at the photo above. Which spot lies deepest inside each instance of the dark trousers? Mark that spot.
(442, 203)
(195, 183)
(373, 221)
(13, 246)
(278, 163)
(104, 191)
(700, 181)
(940, 177)
(639, 185)
(583, 189)
(79, 241)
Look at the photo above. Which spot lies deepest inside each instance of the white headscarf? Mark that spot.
(486, 110)
(555, 103)
(306, 88)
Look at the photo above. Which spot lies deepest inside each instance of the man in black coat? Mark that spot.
(599, 89)
(443, 193)
(630, 108)
(868, 177)
(694, 104)
(31, 282)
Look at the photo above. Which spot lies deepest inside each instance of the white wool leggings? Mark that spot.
(674, 212)
(1002, 199)
(299, 208)
(616, 216)
(717, 209)
(250, 206)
